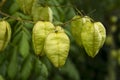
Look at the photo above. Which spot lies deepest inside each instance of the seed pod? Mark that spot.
(76, 27)
(40, 32)
(5, 34)
(57, 46)
(41, 13)
(93, 36)
(102, 31)
(25, 5)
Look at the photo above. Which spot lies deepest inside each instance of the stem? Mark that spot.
(19, 19)
(12, 17)
(69, 21)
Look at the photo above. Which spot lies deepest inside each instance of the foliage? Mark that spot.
(19, 62)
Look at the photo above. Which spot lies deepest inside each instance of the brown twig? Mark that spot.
(12, 17)
(4, 14)
(19, 19)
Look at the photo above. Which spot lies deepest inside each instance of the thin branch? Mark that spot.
(12, 17)
(61, 5)
(18, 19)
(67, 22)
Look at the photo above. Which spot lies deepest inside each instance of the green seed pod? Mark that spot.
(25, 5)
(5, 34)
(76, 27)
(93, 36)
(41, 13)
(40, 32)
(102, 31)
(57, 46)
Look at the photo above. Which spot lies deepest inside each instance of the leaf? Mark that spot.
(13, 65)
(17, 29)
(28, 25)
(44, 71)
(27, 33)
(17, 38)
(24, 46)
(23, 16)
(41, 69)
(38, 67)
(14, 7)
(57, 46)
(26, 69)
(70, 70)
(1, 77)
(3, 68)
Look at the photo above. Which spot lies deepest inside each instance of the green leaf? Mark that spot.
(70, 70)
(29, 25)
(44, 71)
(16, 39)
(3, 68)
(38, 66)
(1, 77)
(14, 7)
(26, 68)
(40, 69)
(13, 65)
(24, 46)
(21, 15)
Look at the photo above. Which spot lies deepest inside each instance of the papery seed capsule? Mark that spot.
(5, 34)
(40, 32)
(76, 27)
(57, 46)
(25, 5)
(102, 31)
(93, 36)
(41, 13)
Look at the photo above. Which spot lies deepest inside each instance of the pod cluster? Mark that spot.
(88, 34)
(36, 10)
(50, 41)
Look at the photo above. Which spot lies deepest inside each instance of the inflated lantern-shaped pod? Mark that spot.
(40, 31)
(40, 12)
(57, 46)
(5, 34)
(93, 37)
(76, 27)
(25, 5)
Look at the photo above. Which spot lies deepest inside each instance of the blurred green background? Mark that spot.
(18, 61)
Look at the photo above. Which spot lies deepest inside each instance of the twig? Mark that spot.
(12, 17)
(70, 21)
(19, 19)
